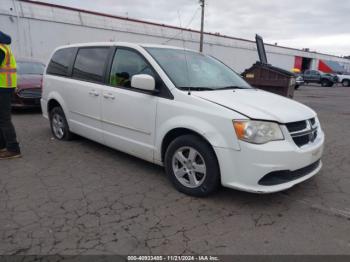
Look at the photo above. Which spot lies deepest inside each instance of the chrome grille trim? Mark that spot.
(305, 135)
(30, 93)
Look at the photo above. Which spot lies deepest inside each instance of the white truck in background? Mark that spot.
(344, 79)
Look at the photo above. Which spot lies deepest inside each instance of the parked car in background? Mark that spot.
(344, 79)
(29, 84)
(185, 111)
(318, 77)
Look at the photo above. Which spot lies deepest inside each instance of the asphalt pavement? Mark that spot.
(80, 197)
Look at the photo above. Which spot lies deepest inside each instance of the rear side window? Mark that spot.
(60, 61)
(90, 64)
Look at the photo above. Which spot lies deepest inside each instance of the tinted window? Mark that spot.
(89, 64)
(30, 68)
(60, 62)
(127, 63)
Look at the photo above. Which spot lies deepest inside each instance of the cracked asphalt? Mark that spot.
(80, 197)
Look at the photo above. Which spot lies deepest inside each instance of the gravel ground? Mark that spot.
(80, 197)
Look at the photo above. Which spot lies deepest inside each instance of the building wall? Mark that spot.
(37, 29)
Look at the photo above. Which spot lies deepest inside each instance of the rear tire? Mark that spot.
(297, 87)
(346, 82)
(59, 125)
(192, 166)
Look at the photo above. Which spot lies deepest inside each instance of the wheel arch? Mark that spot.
(55, 99)
(177, 132)
(215, 130)
(52, 104)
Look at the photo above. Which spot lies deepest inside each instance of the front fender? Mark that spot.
(219, 133)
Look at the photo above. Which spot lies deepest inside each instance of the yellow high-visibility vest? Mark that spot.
(8, 69)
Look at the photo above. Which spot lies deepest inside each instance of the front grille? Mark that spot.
(30, 93)
(285, 176)
(313, 121)
(303, 132)
(296, 126)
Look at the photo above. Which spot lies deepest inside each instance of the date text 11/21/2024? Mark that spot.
(173, 258)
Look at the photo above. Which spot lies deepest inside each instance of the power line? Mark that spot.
(189, 23)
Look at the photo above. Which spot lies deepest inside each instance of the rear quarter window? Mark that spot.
(90, 64)
(60, 62)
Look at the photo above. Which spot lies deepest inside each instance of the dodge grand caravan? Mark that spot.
(185, 111)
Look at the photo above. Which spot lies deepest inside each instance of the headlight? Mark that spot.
(257, 132)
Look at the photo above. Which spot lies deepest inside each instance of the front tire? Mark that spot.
(192, 166)
(325, 83)
(59, 124)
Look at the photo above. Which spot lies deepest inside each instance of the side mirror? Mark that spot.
(144, 82)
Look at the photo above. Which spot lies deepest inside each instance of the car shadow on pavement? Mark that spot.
(24, 111)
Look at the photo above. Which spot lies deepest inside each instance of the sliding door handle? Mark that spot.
(94, 93)
(109, 96)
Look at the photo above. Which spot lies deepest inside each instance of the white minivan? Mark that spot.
(184, 110)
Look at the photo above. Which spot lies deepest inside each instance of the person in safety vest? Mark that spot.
(9, 147)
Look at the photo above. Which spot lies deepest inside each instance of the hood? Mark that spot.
(259, 104)
(29, 81)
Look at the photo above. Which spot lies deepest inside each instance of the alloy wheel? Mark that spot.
(58, 126)
(189, 167)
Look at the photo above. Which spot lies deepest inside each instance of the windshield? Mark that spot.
(191, 70)
(30, 68)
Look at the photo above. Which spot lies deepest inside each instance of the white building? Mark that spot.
(37, 28)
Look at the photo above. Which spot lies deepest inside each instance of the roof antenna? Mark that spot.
(185, 55)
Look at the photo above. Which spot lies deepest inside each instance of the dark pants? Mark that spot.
(7, 131)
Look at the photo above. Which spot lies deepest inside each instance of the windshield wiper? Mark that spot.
(196, 88)
(231, 87)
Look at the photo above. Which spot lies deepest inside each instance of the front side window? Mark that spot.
(192, 70)
(90, 64)
(60, 62)
(127, 63)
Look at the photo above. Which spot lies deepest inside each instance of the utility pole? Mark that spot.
(202, 2)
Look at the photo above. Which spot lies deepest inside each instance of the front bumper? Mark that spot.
(244, 169)
(19, 101)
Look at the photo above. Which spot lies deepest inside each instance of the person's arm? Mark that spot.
(2, 56)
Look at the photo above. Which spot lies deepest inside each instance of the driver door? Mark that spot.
(129, 114)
